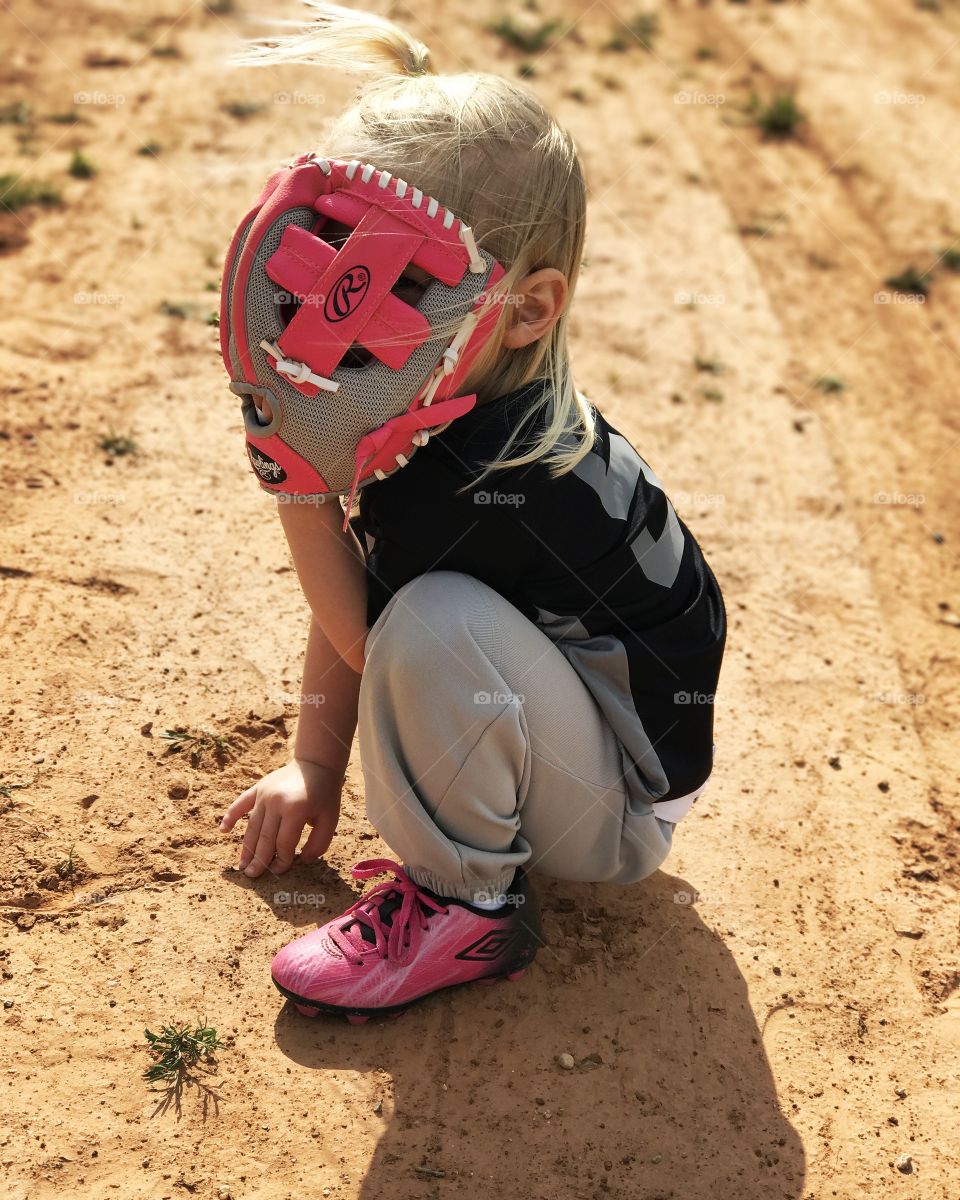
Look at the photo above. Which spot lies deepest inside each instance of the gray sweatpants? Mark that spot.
(483, 750)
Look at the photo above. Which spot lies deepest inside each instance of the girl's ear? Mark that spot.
(536, 304)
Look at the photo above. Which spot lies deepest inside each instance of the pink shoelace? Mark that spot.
(401, 937)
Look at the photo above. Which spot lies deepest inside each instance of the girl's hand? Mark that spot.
(278, 807)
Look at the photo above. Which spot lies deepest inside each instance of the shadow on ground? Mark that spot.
(671, 1096)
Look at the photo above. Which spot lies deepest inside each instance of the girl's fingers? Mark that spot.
(286, 848)
(320, 837)
(239, 808)
(266, 846)
(251, 836)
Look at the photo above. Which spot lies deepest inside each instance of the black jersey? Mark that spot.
(597, 558)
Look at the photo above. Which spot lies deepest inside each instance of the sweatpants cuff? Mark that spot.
(481, 889)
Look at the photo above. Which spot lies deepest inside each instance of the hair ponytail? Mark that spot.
(344, 39)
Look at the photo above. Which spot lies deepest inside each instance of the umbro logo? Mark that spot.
(492, 945)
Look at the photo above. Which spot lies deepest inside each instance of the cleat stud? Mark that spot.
(306, 1010)
(487, 981)
(515, 975)
(357, 1018)
(394, 1015)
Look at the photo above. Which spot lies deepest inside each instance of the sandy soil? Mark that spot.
(776, 1015)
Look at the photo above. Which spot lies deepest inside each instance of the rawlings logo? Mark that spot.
(267, 468)
(346, 294)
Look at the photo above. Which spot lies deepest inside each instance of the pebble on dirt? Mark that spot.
(904, 1164)
(566, 1061)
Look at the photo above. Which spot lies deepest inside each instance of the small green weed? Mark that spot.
(117, 445)
(199, 743)
(17, 192)
(779, 117)
(177, 1048)
(910, 281)
(81, 167)
(530, 39)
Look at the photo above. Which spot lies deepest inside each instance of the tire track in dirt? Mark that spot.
(895, 344)
(883, 353)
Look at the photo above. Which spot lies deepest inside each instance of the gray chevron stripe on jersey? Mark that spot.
(658, 558)
(615, 487)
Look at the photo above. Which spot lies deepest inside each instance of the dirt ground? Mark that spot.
(776, 1015)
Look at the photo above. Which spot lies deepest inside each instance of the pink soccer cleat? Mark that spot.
(400, 942)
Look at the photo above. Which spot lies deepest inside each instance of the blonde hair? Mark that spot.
(489, 151)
